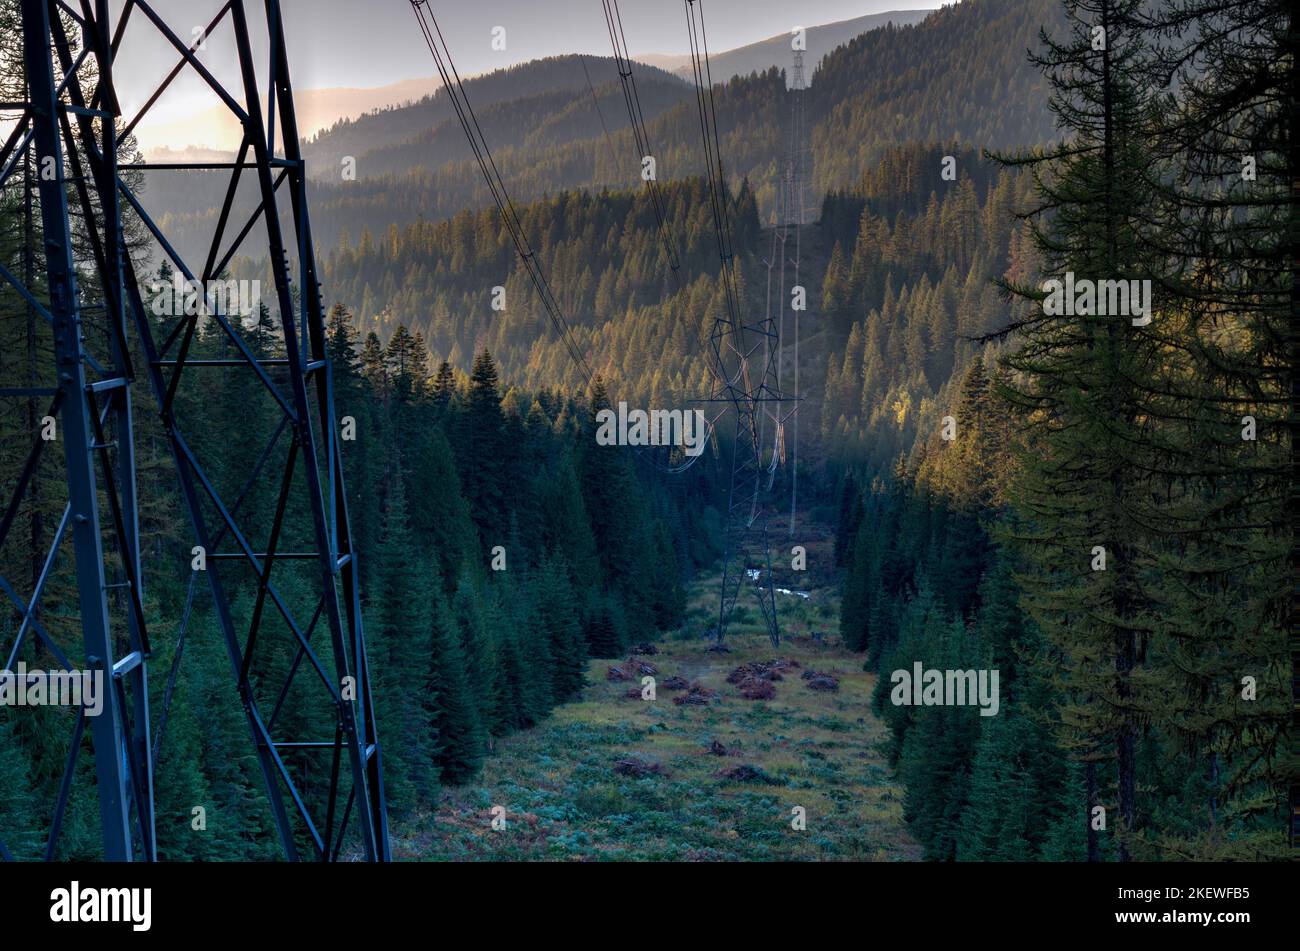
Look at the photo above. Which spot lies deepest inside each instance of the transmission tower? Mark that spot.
(793, 219)
(91, 310)
(743, 363)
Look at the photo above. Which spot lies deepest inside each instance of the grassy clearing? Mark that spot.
(818, 750)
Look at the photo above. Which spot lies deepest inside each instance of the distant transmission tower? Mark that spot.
(91, 312)
(795, 179)
(743, 360)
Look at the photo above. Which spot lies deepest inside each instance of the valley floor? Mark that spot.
(616, 777)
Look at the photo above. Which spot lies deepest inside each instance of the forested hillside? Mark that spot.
(900, 271)
(515, 104)
(962, 74)
(1093, 505)
(500, 547)
(908, 291)
(959, 75)
(1105, 521)
(1104, 525)
(775, 51)
(641, 324)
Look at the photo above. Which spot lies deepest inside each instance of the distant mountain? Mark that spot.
(190, 155)
(315, 109)
(775, 51)
(958, 77)
(529, 124)
(412, 160)
(403, 138)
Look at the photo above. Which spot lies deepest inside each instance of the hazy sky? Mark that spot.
(369, 43)
(381, 38)
(374, 42)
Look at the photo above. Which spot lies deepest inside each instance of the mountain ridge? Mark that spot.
(775, 50)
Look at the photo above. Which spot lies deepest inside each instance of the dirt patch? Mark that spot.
(762, 670)
(747, 773)
(636, 767)
(820, 680)
(753, 688)
(697, 696)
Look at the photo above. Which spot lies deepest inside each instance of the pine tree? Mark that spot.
(363, 455)
(407, 360)
(479, 648)
(523, 658)
(616, 509)
(605, 629)
(238, 816)
(566, 528)
(461, 739)
(398, 643)
(1008, 812)
(846, 526)
(1224, 547)
(440, 518)
(482, 471)
(374, 365)
(443, 388)
(938, 746)
(1079, 476)
(557, 616)
(180, 784)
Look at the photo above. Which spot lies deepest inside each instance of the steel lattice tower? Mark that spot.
(793, 220)
(324, 792)
(742, 360)
(734, 346)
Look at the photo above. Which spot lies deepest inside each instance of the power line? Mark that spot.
(636, 117)
(713, 160)
(613, 157)
(746, 531)
(632, 98)
(492, 176)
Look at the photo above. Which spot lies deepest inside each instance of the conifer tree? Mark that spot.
(443, 388)
(557, 616)
(938, 746)
(566, 527)
(440, 518)
(1081, 414)
(479, 647)
(523, 657)
(398, 641)
(407, 361)
(374, 365)
(461, 739)
(482, 463)
(1223, 411)
(605, 627)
